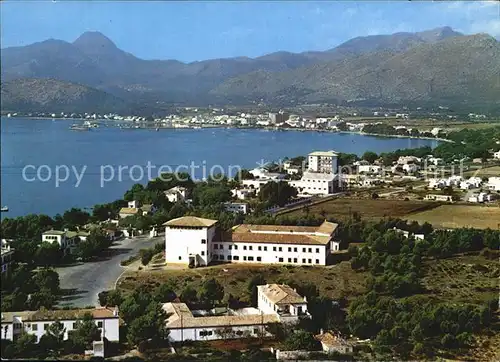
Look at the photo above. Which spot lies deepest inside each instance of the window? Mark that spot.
(250, 258)
(221, 257)
(34, 327)
(203, 241)
(294, 260)
(289, 249)
(280, 249)
(259, 258)
(310, 250)
(202, 253)
(216, 257)
(245, 258)
(180, 257)
(228, 257)
(216, 246)
(235, 247)
(289, 260)
(74, 325)
(45, 326)
(221, 246)
(304, 250)
(236, 257)
(255, 331)
(230, 247)
(280, 260)
(244, 247)
(295, 249)
(274, 248)
(99, 324)
(309, 261)
(317, 250)
(265, 248)
(259, 248)
(317, 261)
(250, 247)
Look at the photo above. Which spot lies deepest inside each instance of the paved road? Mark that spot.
(82, 282)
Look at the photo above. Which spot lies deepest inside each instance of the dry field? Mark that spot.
(485, 172)
(343, 208)
(335, 282)
(456, 216)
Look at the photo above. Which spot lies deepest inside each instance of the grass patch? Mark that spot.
(343, 208)
(457, 216)
(335, 282)
(484, 172)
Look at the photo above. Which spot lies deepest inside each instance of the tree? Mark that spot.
(148, 327)
(211, 291)
(48, 254)
(47, 280)
(164, 293)
(302, 340)
(146, 256)
(85, 333)
(25, 345)
(370, 156)
(53, 339)
(189, 295)
(256, 280)
(277, 193)
(75, 217)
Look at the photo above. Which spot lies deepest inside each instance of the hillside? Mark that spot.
(438, 65)
(49, 95)
(458, 69)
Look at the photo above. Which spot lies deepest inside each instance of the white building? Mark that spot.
(37, 322)
(195, 242)
(176, 194)
(331, 343)
(243, 194)
(410, 167)
(403, 160)
(369, 169)
(433, 197)
(496, 155)
(7, 255)
(312, 183)
(277, 244)
(276, 304)
(67, 240)
(236, 207)
(323, 162)
(493, 183)
(188, 240)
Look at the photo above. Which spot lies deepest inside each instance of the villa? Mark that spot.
(276, 304)
(195, 241)
(7, 253)
(67, 240)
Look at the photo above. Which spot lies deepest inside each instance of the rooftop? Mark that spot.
(281, 294)
(54, 232)
(324, 153)
(280, 234)
(129, 210)
(60, 314)
(191, 221)
(179, 316)
(331, 340)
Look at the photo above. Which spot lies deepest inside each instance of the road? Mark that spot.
(82, 282)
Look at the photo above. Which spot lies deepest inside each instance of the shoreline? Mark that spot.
(257, 128)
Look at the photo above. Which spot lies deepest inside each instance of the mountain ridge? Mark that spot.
(95, 61)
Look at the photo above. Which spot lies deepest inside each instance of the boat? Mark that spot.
(76, 127)
(4, 209)
(157, 129)
(90, 124)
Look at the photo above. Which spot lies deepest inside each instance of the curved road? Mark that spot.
(82, 282)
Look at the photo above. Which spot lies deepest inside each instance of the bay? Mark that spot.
(45, 144)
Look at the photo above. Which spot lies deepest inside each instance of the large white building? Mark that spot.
(323, 162)
(67, 240)
(316, 183)
(196, 242)
(276, 304)
(37, 322)
(7, 254)
(188, 240)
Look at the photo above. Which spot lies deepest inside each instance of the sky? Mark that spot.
(191, 31)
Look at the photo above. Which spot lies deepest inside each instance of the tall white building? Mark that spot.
(7, 255)
(323, 162)
(188, 240)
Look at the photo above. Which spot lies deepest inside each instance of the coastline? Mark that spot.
(250, 127)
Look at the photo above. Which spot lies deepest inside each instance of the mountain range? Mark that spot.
(435, 66)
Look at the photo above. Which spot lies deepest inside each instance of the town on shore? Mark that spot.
(264, 260)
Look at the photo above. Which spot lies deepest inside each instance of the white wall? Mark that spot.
(177, 335)
(270, 253)
(180, 242)
(54, 238)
